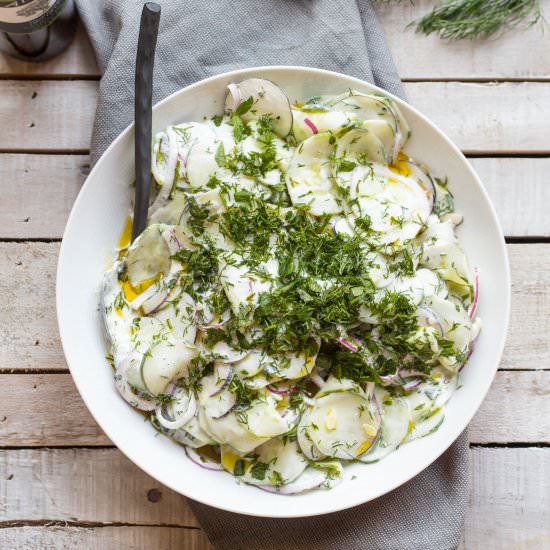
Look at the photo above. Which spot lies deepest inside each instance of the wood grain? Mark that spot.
(29, 339)
(102, 538)
(509, 504)
(85, 486)
(510, 500)
(38, 192)
(516, 410)
(516, 54)
(519, 189)
(46, 115)
(508, 117)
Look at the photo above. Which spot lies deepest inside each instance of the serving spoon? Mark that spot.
(145, 59)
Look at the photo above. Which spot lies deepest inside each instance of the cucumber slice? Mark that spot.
(278, 462)
(372, 107)
(428, 425)
(178, 317)
(305, 441)
(264, 420)
(201, 161)
(164, 362)
(442, 252)
(333, 384)
(214, 395)
(307, 123)
(194, 433)
(396, 206)
(309, 176)
(242, 287)
(231, 431)
(396, 423)
(422, 176)
(148, 255)
(311, 478)
(290, 367)
(344, 424)
(456, 322)
(361, 145)
(268, 100)
(164, 160)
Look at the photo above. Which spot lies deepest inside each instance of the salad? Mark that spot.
(299, 299)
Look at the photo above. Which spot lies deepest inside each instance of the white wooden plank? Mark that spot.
(46, 115)
(509, 503)
(27, 272)
(29, 339)
(102, 538)
(516, 410)
(510, 500)
(506, 117)
(86, 486)
(78, 60)
(482, 118)
(516, 54)
(45, 410)
(520, 190)
(512, 410)
(38, 192)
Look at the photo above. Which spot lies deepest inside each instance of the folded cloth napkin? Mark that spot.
(200, 38)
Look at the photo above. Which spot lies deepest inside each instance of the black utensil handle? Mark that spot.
(145, 59)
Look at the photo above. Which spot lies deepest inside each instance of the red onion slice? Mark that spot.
(235, 95)
(347, 344)
(177, 413)
(201, 461)
(225, 373)
(473, 309)
(277, 391)
(311, 125)
(412, 384)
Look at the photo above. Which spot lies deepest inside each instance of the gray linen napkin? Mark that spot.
(200, 38)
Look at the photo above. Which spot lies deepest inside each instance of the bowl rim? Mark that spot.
(301, 71)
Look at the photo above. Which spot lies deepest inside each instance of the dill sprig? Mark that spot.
(460, 19)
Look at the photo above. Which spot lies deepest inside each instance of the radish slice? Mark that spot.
(268, 99)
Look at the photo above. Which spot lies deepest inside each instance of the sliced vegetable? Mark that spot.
(309, 176)
(257, 97)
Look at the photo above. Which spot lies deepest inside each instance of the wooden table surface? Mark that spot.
(64, 485)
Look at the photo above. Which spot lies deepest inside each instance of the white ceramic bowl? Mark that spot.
(92, 233)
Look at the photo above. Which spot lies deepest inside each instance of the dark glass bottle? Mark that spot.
(36, 30)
